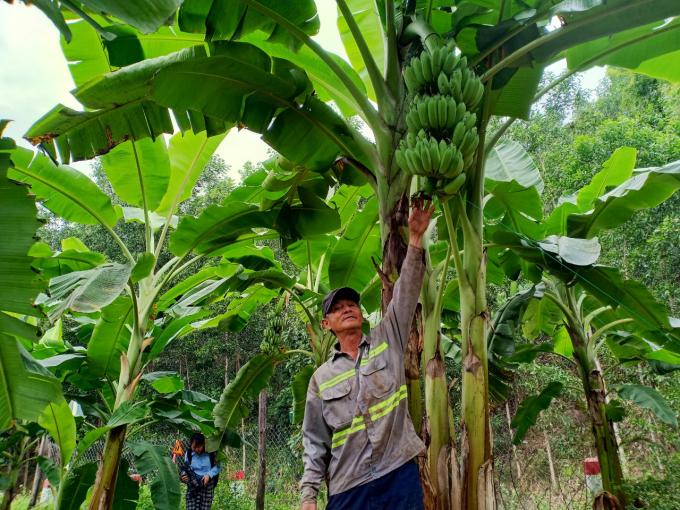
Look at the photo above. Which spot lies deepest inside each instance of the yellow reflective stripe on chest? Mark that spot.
(346, 375)
(377, 411)
(374, 352)
(336, 380)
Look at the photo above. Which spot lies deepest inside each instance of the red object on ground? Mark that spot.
(136, 477)
(592, 466)
(237, 475)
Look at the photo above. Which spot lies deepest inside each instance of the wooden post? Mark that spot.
(226, 383)
(25, 483)
(514, 448)
(38, 474)
(553, 480)
(243, 422)
(261, 451)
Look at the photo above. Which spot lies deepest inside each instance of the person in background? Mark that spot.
(204, 465)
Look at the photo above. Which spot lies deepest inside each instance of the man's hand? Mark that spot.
(185, 478)
(206, 479)
(419, 221)
(308, 506)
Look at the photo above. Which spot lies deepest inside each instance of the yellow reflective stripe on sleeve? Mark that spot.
(336, 380)
(374, 352)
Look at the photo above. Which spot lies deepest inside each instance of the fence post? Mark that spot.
(261, 451)
(38, 474)
(514, 448)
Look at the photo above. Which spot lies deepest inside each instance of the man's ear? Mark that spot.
(325, 324)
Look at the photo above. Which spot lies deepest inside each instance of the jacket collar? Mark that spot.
(337, 352)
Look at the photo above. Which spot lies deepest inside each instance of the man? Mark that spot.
(357, 429)
(203, 464)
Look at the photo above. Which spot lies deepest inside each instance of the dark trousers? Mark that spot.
(398, 490)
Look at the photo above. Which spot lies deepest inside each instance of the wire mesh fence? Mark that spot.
(544, 472)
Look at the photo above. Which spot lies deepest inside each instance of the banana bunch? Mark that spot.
(445, 72)
(272, 333)
(428, 157)
(440, 114)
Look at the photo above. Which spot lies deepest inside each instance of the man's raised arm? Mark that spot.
(407, 289)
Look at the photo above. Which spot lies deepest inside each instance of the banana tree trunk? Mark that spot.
(439, 483)
(477, 487)
(13, 475)
(602, 426)
(412, 368)
(8, 494)
(105, 484)
(476, 441)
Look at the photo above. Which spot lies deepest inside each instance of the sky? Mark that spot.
(34, 77)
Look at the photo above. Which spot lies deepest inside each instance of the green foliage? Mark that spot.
(654, 491)
(531, 407)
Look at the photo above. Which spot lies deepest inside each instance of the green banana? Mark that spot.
(470, 121)
(471, 149)
(418, 70)
(422, 134)
(443, 84)
(426, 159)
(456, 166)
(401, 161)
(460, 112)
(450, 43)
(411, 139)
(432, 113)
(411, 81)
(414, 158)
(441, 112)
(455, 80)
(461, 64)
(467, 141)
(436, 61)
(434, 155)
(477, 96)
(453, 187)
(468, 91)
(410, 121)
(458, 134)
(445, 160)
(426, 62)
(422, 111)
(465, 78)
(451, 107)
(449, 64)
(468, 160)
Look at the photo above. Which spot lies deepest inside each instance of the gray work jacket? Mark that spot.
(357, 427)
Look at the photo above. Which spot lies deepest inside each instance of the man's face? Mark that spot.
(197, 448)
(344, 315)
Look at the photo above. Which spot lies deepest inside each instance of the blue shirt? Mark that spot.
(201, 464)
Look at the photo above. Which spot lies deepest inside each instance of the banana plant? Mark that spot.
(272, 77)
(26, 387)
(131, 310)
(596, 304)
